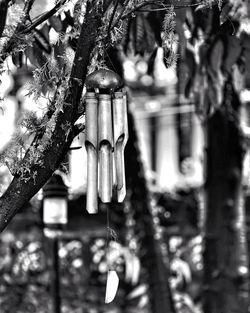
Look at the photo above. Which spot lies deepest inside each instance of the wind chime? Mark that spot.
(106, 134)
(106, 137)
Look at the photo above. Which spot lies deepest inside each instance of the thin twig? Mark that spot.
(165, 7)
(139, 7)
(44, 16)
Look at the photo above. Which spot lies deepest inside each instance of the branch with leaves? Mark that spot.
(24, 27)
(41, 161)
(39, 20)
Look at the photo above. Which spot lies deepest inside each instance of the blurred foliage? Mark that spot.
(25, 269)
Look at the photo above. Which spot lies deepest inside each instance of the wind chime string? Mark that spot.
(111, 62)
(111, 236)
(112, 277)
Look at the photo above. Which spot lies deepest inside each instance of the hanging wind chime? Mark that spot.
(106, 137)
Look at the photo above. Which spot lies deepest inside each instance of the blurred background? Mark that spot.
(155, 239)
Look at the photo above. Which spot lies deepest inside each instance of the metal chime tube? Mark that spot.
(91, 143)
(105, 148)
(120, 139)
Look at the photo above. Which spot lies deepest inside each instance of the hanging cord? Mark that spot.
(111, 63)
(110, 236)
(107, 238)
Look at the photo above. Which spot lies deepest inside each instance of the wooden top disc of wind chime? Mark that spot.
(103, 79)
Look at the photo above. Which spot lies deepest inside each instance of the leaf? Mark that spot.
(56, 23)
(225, 12)
(77, 10)
(191, 65)
(42, 41)
(149, 36)
(68, 20)
(17, 59)
(35, 55)
(215, 55)
(59, 51)
(141, 37)
(155, 21)
(232, 53)
(45, 31)
(127, 37)
(29, 52)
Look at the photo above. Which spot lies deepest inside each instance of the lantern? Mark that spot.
(55, 215)
(55, 202)
(106, 137)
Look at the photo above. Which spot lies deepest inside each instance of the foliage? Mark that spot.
(168, 37)
(26, 274)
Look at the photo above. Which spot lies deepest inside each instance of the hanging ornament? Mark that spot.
(106, 137)
(111, 286)
(112, 254)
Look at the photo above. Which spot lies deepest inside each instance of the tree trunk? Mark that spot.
(152, 257)
(225, 254)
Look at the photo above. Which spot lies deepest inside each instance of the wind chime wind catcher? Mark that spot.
(106, 134)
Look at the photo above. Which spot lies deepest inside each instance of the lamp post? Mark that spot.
(55, 216)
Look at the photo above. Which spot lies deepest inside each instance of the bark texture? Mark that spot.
(225, 254)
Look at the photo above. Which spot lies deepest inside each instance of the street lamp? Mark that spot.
(55, 216)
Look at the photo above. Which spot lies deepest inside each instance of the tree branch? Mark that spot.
(161, 7)
(159, 4)
(20, 191)
(21, 29)
(44, 16)
(3, 14)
